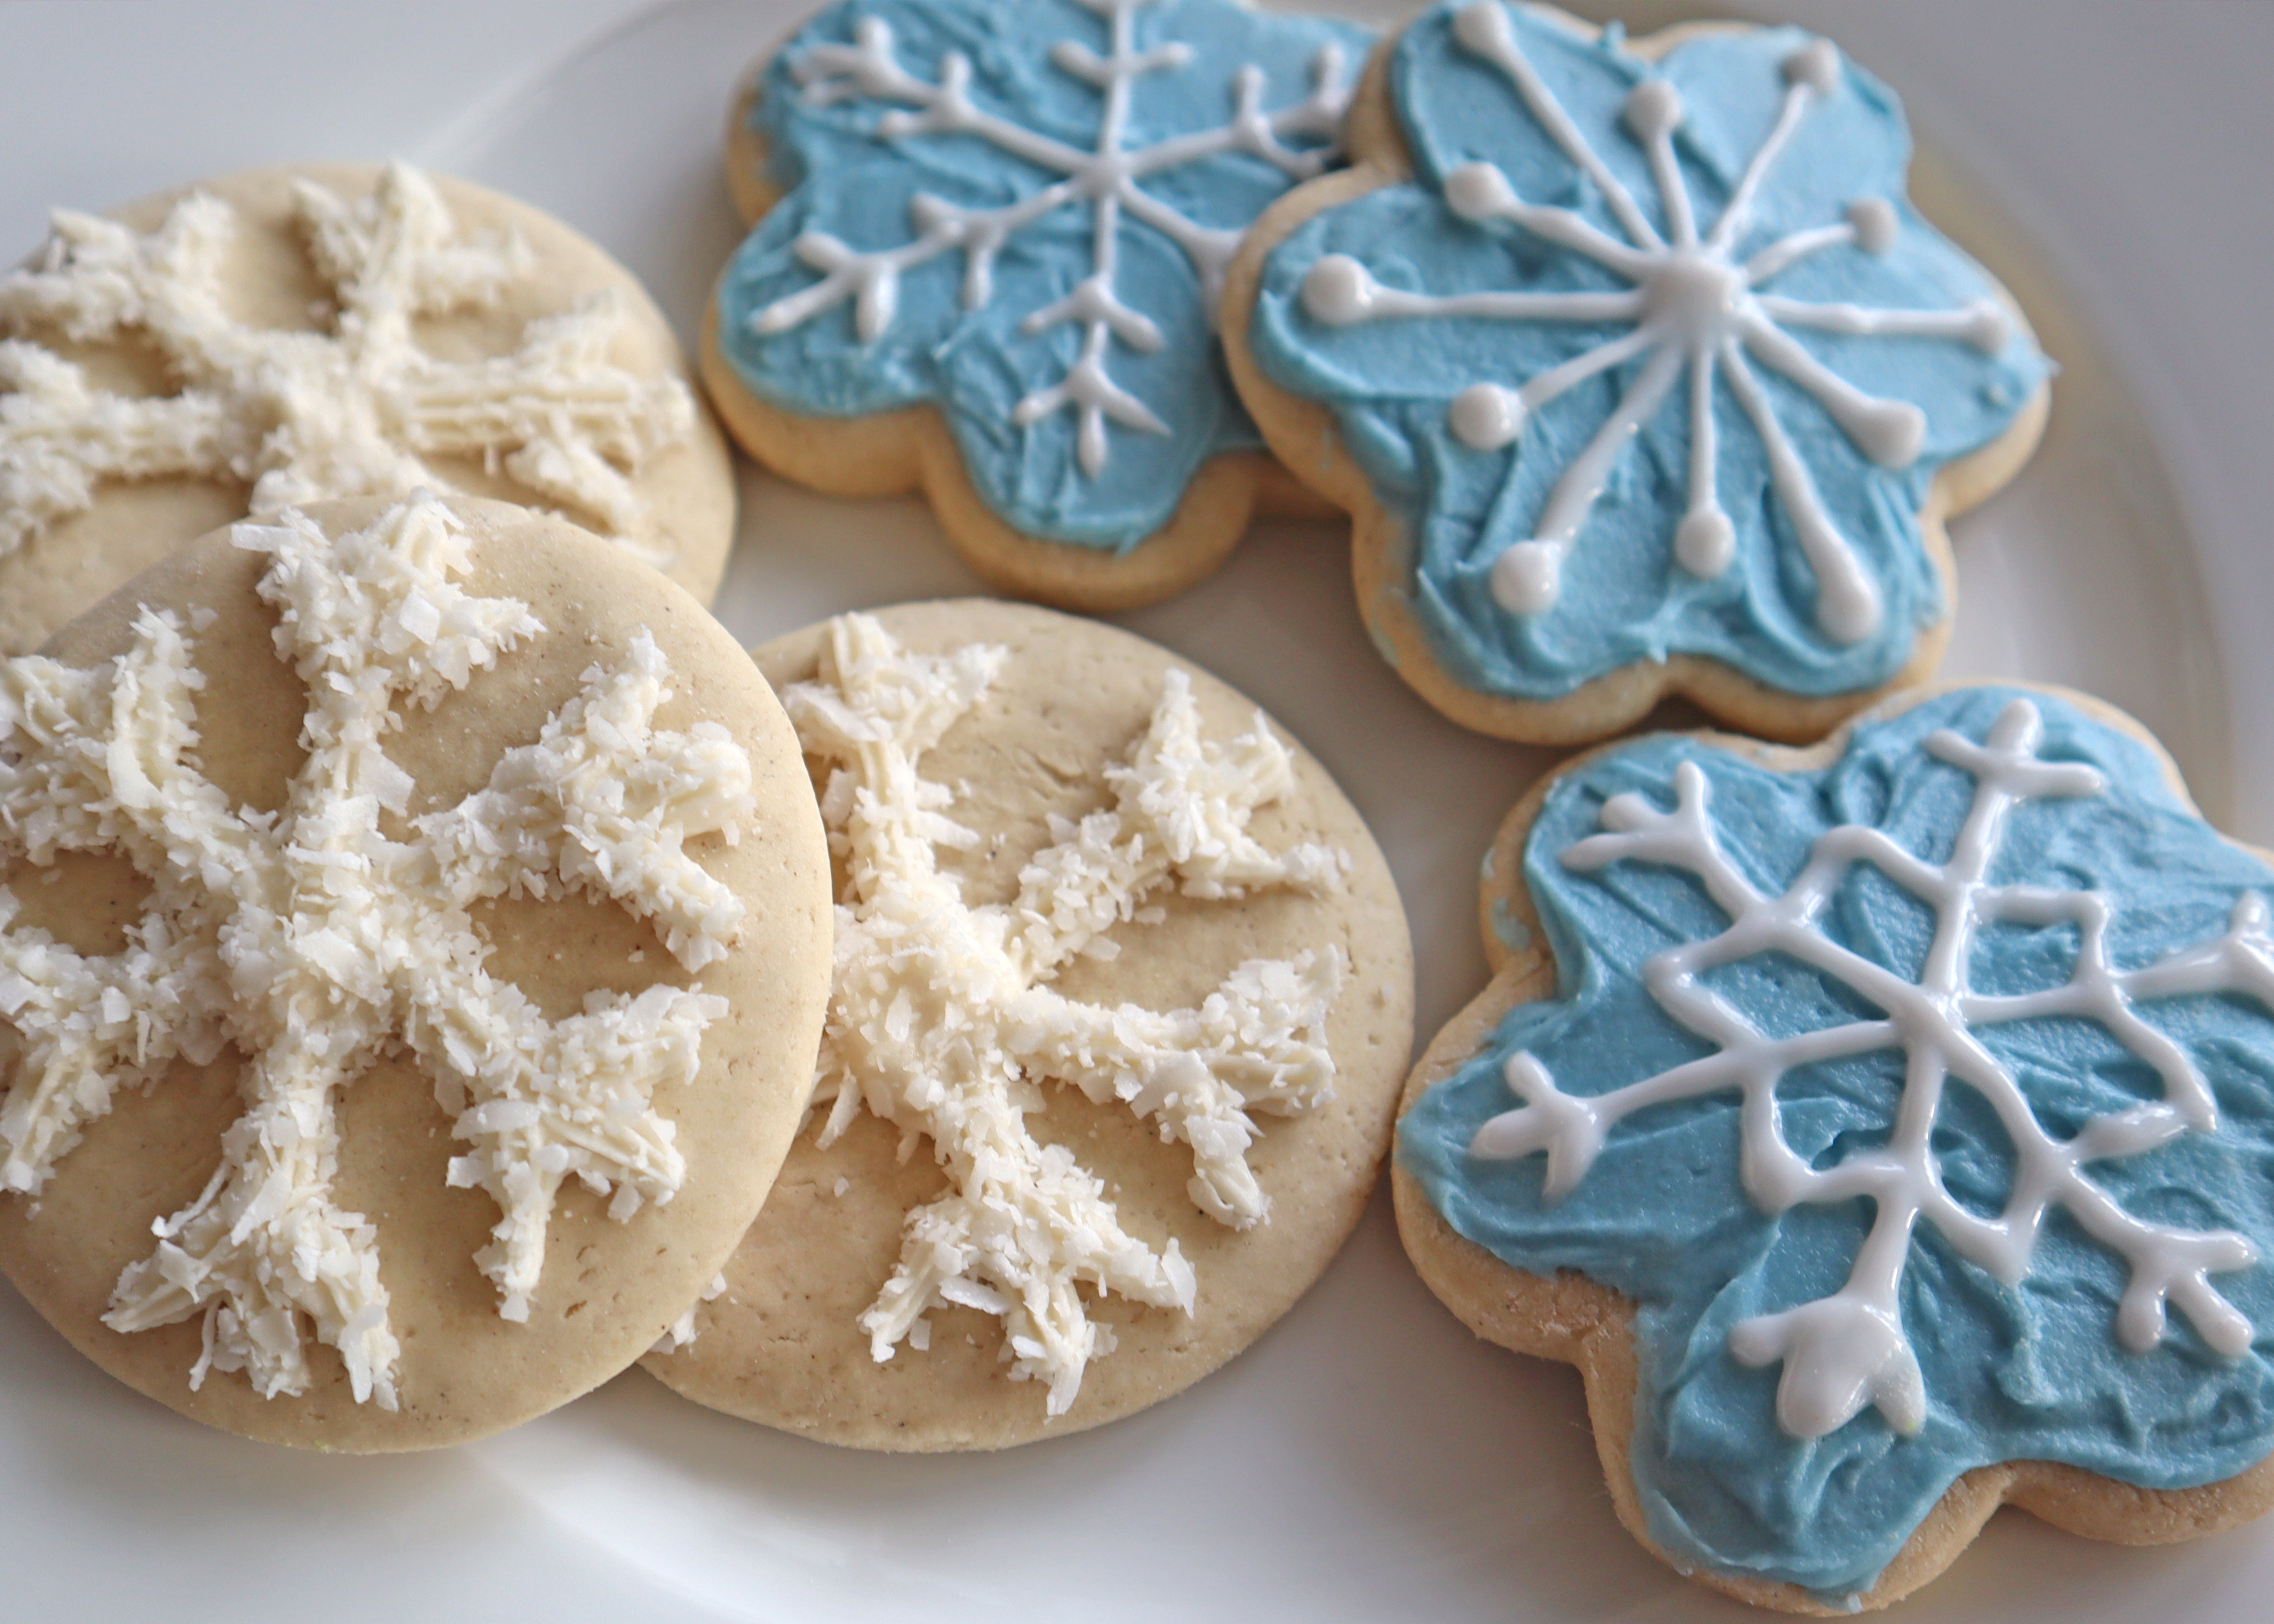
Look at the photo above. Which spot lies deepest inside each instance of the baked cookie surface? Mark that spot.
(1883, 1129)
(1124, 992)
(1639, 371)
(989, 242)
(395, 1041)
(286, 335)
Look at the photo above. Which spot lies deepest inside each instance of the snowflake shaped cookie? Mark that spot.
(359, 406)
(1651, 358)
(1020, 215)
(1876, 1088)
(316, 939)
(943, 1021)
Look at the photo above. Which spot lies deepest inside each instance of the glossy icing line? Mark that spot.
(994, 176)
(1106, 178)
(1649, 358)
(1844, 1351)
(1694, 304)
(1923, 1106)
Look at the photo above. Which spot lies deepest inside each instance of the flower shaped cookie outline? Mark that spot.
(1035, 217)
(1601, 228)
(1766, 1158)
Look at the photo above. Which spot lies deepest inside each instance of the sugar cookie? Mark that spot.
(397, 1034)
(1122, 995)
(1639, 371)
(989, 243)
(1885, 1130)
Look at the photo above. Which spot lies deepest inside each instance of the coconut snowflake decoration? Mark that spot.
(1022, 215)
(1922, 1104)
(943, 1022)
(318, 938)
(360, 406)
(1651, 357)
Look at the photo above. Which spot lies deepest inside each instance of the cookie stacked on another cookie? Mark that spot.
(1122, 999)
(416, 911)
(1638, 371)
(413, 942)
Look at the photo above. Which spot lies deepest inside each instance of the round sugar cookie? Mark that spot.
(291, 334)
(1883, 1130)
(1637, 371)
(421, 1000)
(1124, 994)
(987, 242)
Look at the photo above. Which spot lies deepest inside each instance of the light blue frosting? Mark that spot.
(1389, 382)
(2032, 1373)
(844, 178)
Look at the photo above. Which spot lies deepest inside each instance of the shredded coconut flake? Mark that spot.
(351, 411)
(683, 1331)
(941, 1021)
(315, 943)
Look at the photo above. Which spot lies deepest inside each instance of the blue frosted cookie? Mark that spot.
(1639, 370)
(988, 242)
(1887, 1132)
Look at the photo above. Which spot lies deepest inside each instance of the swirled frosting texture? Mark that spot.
(1166, 127)
(2032, 1369)
(1393, 377)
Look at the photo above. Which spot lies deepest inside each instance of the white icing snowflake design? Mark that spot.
(353, 410)
(1106, 178)
(1693, 306)
(314, 941)
(1847, 1349)
(942, 1023)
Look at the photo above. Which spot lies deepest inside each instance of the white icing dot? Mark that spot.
(1339, 290)
(1483, 28)
(1485, 416)
(1890, 432)
(1989, 328)
(1653, 108)
(1705, 543)
(1479, 192)
(1815, 65)
(1526, 578)
(1846, 604)
(1876, 224)
(1693, 306)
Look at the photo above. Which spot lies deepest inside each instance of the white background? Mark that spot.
(1367, 1458)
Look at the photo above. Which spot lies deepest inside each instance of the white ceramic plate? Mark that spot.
(1368, 1458)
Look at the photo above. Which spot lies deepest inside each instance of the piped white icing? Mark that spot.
(1692, 305)
(943, 1022)
(353, 410)
(319, 938)
(1842, 1351)
(1104, 177)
